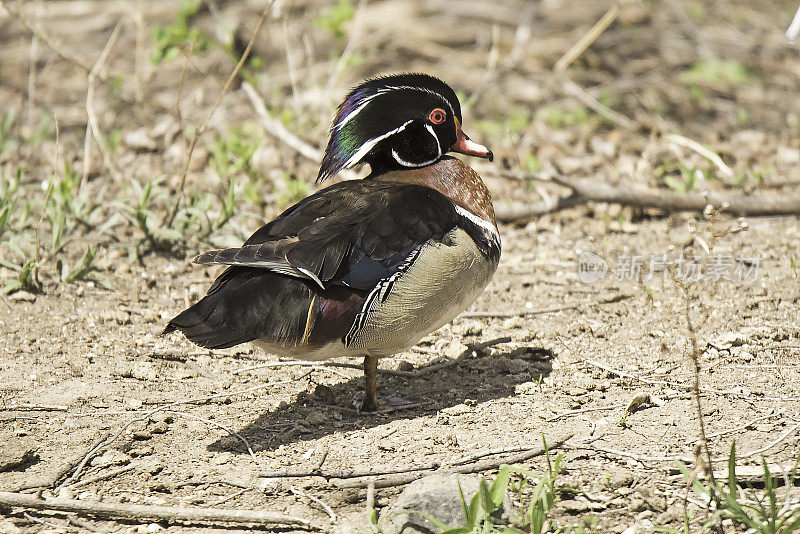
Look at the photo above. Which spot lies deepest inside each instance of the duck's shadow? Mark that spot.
(329, 409)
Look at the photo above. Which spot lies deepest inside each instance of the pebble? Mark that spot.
(144, 370)
(142, 435)
(324, 394)
(140, 141)
(222, 458)
(8, 527)
(22, 296)
(573, 507)
(160, 417)
(159, 428)
(142, 450)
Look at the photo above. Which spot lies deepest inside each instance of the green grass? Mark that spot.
(754, 510)
(681, 178)
(560, 118)
(334, 19)
(484, 513)
(8, 143)
(714, 72)
(170, 39)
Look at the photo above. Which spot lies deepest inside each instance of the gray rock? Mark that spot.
(433, 496)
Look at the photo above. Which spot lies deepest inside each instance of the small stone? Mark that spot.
(573, 507)
(140, 141)
(141, 435)
(111, 457)
(638, 505)
(728, 340)
(228, 443)
(324, 394)
(222, 458)
(22, 296)
(510, 365)
(142, 450)
(639, 402)
(405, 366)
(144, 371)
(159, 428)
(434, 496)
(160, 487)
(160, 417)
(8, 527)
(458, 409)
(619, 480)
(454, 350)
(388, 446)
(316, 419)
(269, 486)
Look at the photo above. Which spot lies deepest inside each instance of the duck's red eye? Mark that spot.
(437, 116)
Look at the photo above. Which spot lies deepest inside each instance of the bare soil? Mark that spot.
(90, 354)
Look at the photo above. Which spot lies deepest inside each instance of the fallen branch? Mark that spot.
(477, 467)
(592, 191)
(105, 476)
(326, 474)
(516, 313)
(34, 408)
(384, 478)
(65, 470)
(540, 311)
(170, 514)
(276, 129)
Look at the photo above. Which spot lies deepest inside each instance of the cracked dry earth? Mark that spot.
(99, 355)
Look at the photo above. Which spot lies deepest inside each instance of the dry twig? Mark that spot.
(66, 469)
(24, 407)
(94, 125)
(593, 191)
(168, 220)
(476, 467)
(328, 510)
(170, 514)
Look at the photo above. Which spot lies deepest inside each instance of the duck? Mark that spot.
(364, 267)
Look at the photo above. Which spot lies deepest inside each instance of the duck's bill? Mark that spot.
(464, 145)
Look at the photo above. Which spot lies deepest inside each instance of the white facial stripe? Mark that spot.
(405, 163)
(368, 145)
(411, 87)
(355, 112)
(487, 227)
(385, 90)
(438, 145)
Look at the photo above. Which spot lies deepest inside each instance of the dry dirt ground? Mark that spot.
(86, 349)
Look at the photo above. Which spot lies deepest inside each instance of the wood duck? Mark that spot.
(363, 267)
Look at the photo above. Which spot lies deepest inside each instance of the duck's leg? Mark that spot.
(370, 403)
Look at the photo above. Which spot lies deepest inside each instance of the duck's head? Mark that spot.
(397, 122)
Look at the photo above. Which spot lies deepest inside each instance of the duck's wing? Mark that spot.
(301, 280)
(354, 233)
